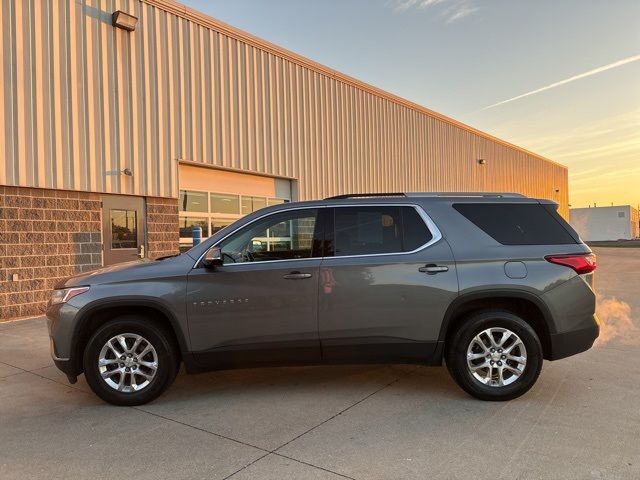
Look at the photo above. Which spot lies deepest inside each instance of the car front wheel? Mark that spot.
(130, 361)
(495, 355)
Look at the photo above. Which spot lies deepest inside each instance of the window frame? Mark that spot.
(325, 219)
(428, 222)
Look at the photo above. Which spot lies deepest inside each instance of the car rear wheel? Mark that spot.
(495, 355)
(130, 361)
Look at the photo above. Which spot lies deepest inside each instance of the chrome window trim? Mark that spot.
(435, 232)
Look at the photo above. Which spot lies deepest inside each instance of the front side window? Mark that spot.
(367, 230)
(282, 236)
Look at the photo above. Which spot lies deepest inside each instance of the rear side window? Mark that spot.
(517, 224)
(368, 230)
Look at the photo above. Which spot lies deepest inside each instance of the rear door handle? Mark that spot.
(432, 269)
(297, 276)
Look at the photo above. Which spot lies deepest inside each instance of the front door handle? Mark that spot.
(297, 276)
(432, 269)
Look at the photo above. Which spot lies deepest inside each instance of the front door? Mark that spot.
(386, 288)
(260, 306)
(122, 228)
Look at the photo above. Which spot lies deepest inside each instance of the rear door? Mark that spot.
(384, 285)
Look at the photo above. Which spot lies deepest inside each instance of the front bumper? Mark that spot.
(60, 322)
(570, 343)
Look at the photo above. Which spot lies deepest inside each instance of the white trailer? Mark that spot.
(605, 223)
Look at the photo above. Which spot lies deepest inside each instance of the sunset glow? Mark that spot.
(564, 83)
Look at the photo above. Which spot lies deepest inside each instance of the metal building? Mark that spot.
(103, 123)
(617, 222)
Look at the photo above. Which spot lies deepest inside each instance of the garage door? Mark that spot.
(213, 199)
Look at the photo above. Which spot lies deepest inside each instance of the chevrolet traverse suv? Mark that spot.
(490, 283)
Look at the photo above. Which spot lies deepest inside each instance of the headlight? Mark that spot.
(65, 294)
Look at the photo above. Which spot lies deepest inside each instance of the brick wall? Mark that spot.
(163, 237)
(45, 235)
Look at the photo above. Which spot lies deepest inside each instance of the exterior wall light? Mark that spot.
(123, 20)
(127, 172)
(482, 161)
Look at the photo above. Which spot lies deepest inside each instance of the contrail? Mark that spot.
(595, 71)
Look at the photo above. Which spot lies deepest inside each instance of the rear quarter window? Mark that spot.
(517, 224)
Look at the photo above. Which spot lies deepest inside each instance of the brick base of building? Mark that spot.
(163, 236)
(45, 235)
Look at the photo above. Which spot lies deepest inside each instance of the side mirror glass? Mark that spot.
(212, 258)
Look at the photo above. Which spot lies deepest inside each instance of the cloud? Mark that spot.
(402, 5)
(610, 149)
(461, 12)
(450, 10)
(589, 73)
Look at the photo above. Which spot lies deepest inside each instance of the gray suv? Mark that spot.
(490, 283)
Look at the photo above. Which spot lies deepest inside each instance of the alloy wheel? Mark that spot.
(128, 362)
(496, 357)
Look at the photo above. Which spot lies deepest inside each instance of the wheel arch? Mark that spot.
(524, 304)
(96, 314)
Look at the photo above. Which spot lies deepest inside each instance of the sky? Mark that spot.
(560, 78)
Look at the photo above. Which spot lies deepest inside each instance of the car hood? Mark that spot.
(131, 271)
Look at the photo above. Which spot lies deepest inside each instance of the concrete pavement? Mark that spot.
(581, 420)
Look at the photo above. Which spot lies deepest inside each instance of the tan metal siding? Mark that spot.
(81, 100)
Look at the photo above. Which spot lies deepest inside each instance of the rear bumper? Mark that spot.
(569, 343)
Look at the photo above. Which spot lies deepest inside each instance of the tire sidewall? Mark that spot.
(457, 355)
(167, 360)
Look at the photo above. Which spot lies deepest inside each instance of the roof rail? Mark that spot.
(467, 194)
(365, 195)
(429, 194)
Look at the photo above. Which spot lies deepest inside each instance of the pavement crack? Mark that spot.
(235, 440)
(247, 465)
(337, 414)
(312, 465)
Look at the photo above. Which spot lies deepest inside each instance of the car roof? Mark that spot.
(413, 198)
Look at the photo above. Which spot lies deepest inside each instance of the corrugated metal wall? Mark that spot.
(81, 100)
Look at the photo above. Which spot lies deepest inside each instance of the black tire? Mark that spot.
(456, 355)
(163, 342)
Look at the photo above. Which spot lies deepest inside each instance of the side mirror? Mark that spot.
(212, 258)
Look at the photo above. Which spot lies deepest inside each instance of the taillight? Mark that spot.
(581, 262)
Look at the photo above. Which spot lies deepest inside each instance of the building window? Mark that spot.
(124, 231)
(251, 204)
(193, 201)
(215, 210)
(620, 214)
(187, 224)
(229, 204)
(217, 225)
